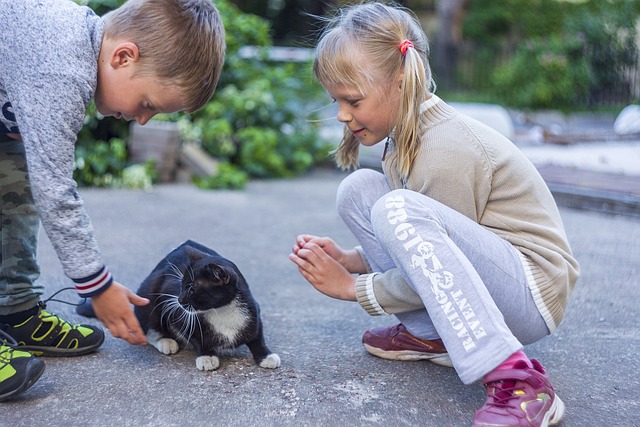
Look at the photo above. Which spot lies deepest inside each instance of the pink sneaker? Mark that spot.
(396, 343)
(521, 396)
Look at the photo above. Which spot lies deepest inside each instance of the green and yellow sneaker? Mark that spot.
(19, 370)
(45, 334)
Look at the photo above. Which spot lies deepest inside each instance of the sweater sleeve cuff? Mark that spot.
(365, 296)
(95, 284)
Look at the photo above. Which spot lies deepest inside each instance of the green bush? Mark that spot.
(550, 72)
(567, 54)
(609, 34)
(260, 120)
(228, 177)
(100, 163)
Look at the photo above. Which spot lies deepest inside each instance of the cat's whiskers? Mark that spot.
(186, 320)
(177, 272)
(159, 303)
(199, 327)
(191, 273)
(167, 307)
(176, 314)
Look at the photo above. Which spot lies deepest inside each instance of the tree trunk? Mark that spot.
(448, 39)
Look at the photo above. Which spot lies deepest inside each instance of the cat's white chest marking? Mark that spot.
(228, 320)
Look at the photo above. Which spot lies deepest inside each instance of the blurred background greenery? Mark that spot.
(263, 121)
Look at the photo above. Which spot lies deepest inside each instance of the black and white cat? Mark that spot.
(199, 298)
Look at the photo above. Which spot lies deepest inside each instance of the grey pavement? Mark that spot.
(326, 377)
(584, 162)
(599, 175)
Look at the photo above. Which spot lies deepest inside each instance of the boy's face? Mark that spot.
(123, 94)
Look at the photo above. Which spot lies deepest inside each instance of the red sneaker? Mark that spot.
(396, 343)
(521, 396)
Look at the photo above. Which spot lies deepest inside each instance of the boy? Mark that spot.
(144, 58)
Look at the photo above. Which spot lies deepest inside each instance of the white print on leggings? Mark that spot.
(455, 306)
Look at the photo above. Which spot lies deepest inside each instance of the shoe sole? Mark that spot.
(44, 351)
(30, 379)
(555, 413)
(410, 356)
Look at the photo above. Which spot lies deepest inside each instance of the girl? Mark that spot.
(460, 238)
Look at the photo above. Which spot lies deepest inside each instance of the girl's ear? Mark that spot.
(124, 54)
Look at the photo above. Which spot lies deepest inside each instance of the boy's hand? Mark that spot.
(113, 308)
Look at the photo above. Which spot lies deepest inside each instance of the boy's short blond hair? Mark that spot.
(181, 43)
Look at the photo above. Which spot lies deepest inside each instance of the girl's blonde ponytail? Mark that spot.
(376, 31)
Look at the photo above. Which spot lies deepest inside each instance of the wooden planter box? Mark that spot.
(159, 141)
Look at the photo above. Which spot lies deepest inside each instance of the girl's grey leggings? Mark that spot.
(472, 282)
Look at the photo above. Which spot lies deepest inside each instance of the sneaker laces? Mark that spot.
(6, 340)
(503, 391)
(43, 304)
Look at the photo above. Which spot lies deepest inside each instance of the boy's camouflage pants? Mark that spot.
(19, 225)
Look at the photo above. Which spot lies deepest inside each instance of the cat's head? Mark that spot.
(209, 281)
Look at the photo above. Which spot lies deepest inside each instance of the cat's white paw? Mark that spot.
(207, 363)
(272, 361)
(167, 346)
(163, 344)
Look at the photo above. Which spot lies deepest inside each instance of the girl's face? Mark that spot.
(369, 117)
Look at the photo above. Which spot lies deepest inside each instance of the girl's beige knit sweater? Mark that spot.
(475, 170)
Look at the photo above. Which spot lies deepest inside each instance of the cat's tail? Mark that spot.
(85, 308)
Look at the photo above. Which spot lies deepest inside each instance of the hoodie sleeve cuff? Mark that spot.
(95, 284)
(365, 296)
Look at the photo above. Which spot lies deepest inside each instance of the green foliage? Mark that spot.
(545, 73)
(228, 177)
(135, 177)
(101, 7)
(100, 163)
(101, 150)
(489, 22)
(609, 34)
(565, 53)
(260, 120)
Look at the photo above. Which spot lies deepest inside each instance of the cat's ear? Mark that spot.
(220, 273)
(193, 253)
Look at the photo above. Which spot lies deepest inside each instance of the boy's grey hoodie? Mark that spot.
(48, 72)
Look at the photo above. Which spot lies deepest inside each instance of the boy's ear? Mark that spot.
(124, 54)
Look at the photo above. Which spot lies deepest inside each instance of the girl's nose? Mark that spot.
(344, 117)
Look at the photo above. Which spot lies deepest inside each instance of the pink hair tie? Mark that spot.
(404, 46)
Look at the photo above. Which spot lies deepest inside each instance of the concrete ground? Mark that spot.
(326, 377)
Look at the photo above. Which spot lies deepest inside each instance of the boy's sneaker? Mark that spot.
(45, 334)
(19, 370)
(396, 343)
(521, 396)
